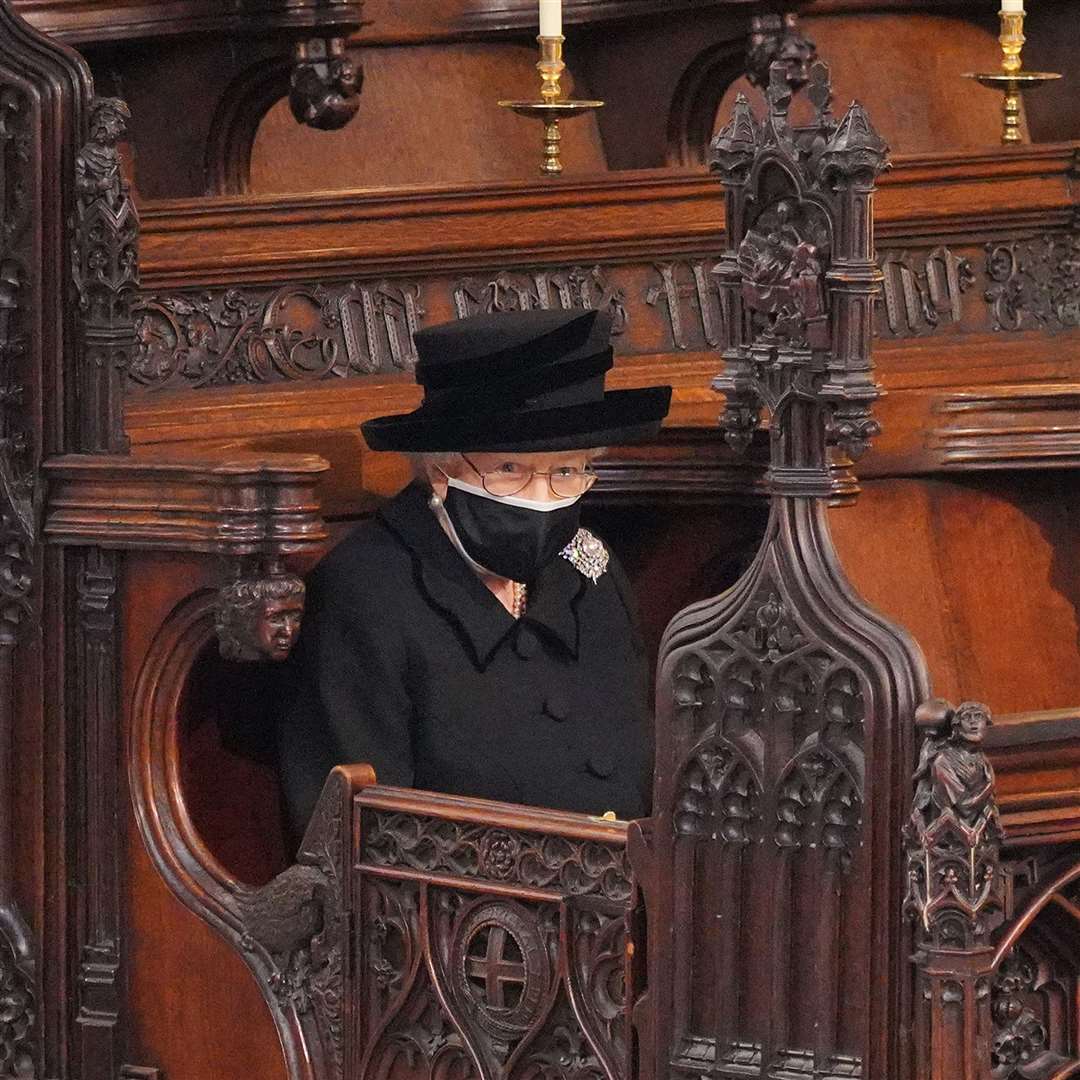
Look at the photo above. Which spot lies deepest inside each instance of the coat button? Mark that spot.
(556, 706)
(601, 764)
(526, 644)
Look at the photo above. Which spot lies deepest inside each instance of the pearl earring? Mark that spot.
(434, 502)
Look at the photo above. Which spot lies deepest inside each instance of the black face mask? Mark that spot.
(511, 541)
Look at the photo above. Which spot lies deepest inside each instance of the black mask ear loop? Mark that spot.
(435, 504)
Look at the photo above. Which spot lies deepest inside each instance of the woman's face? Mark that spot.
(538, 489)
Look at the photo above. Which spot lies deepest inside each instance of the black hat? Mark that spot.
(519, 380)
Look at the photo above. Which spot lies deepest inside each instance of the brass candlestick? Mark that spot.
(552, 106)
(1012, 80)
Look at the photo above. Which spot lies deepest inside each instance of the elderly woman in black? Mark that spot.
(472, 638)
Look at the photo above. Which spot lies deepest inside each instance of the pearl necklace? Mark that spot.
(520, 597)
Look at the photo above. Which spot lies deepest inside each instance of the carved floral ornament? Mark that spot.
(18, 481)
(576, 867)
(18, 1017)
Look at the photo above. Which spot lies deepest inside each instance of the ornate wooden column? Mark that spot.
(773, 872)
(44, 94)
(955, 893)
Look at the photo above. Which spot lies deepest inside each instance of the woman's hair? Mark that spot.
(420, 463)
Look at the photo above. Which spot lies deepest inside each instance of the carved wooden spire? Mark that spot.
(774, 869)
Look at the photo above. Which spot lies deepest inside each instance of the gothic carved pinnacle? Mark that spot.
(734, 146)
(855, 147)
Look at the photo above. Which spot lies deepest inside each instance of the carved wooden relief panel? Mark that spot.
(489, 950)
(1034, 1013)
(306, 330)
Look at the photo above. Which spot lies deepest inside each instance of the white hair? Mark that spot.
(421, 463)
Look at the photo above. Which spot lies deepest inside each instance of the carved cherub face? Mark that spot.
(279, 626)
(259, 618)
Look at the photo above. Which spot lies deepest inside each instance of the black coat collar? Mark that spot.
(462, 598)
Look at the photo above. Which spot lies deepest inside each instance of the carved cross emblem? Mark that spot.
(493, 964)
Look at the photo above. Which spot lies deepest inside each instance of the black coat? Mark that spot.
(408, 662)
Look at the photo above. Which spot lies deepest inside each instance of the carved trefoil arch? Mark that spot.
(774, 867)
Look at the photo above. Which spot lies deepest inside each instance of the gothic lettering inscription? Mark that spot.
(545, 290)
(688, 291)
(922, 295)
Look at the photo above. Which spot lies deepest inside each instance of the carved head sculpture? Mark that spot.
(970, 721)
(108, 121)
(258, 618)
(325, 93)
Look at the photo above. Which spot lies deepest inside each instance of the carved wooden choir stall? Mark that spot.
(832, 883)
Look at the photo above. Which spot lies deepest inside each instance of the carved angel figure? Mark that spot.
(258, 618)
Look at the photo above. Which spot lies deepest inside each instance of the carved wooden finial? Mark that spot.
(798, 326)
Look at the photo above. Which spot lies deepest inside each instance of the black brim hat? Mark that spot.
(519, 381)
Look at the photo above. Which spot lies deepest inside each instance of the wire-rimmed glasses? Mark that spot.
(513, 477)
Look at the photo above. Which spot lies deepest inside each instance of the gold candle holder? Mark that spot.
(1012, 80)
(552, 106)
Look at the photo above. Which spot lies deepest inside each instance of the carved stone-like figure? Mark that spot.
(325, 85)
(98, 166)
(954, 774)
(258, 618)
(954, 834)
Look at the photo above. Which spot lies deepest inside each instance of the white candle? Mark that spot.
(551, 17)
(1008, 7)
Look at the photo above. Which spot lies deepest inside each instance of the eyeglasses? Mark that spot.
(512, 477)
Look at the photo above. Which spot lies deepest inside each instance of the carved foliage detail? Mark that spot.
(1035, 285)
(1020, 1037)
(17, 452)
(298, 920)
(18, 1011)
(576, 867)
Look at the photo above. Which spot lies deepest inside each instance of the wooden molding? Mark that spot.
(88, 21)
(1010, 427)
(1036, 756)
(238, 505)
(614, 216)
